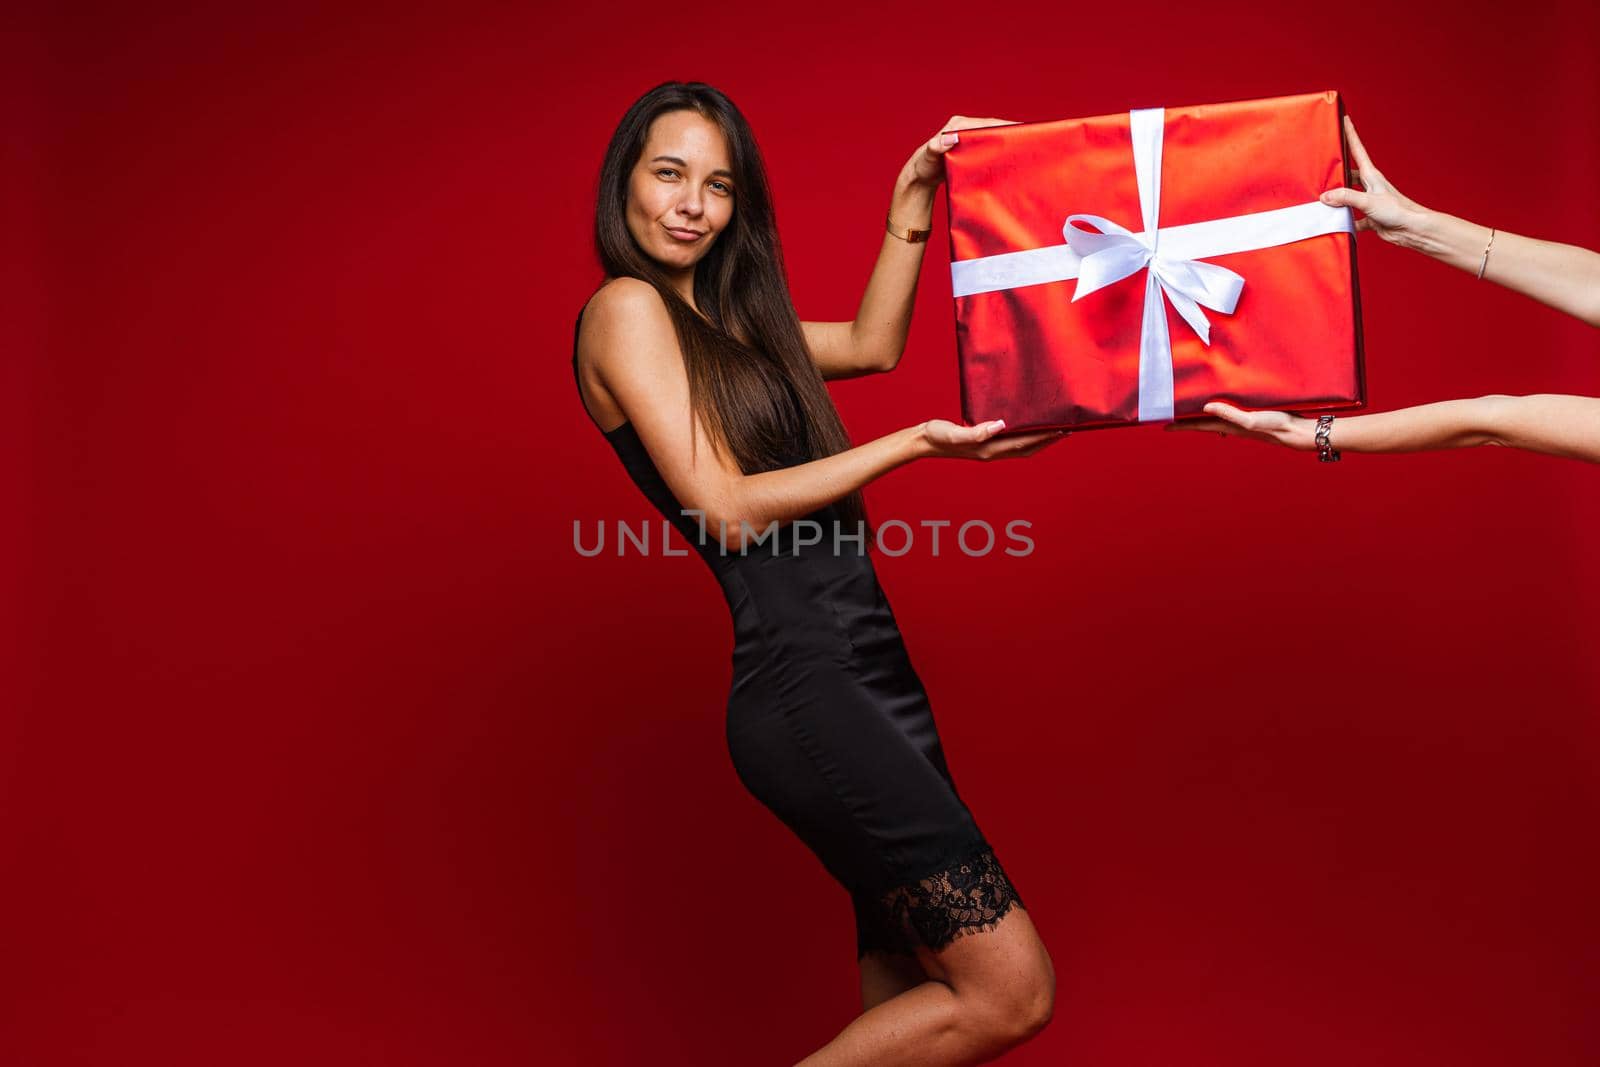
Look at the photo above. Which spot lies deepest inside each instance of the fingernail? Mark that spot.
(998, 424)
(948, 139)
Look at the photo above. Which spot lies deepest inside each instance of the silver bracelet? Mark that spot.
(1326, 453)
(1486, 248)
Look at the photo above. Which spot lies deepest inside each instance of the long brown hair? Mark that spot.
(751, 378)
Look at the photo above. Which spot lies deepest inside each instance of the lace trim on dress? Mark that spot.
(969, 896)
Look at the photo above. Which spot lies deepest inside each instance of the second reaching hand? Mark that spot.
(1565, 277)
(1553, 424)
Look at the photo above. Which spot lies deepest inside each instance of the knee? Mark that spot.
(1040, 1002)
(1021, 1010)
(1035, 1010)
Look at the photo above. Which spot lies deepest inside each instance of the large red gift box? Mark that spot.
(1132, 267)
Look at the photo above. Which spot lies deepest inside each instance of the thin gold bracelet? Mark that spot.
(910, 236)
(1485, 263)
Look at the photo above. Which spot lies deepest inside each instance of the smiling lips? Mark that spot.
(685, 235)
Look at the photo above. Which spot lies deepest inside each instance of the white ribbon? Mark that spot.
(1172, 255)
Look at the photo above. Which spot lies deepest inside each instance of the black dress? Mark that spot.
(829, 727)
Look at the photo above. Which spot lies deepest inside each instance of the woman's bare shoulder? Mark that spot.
(622, 300)
(625, 320)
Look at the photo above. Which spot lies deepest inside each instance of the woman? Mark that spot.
(691, 360)
(1563, 276)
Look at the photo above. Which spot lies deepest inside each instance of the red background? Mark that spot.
(330, 749)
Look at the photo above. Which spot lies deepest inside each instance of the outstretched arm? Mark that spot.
(1562, 276)
(874, 341)
(628, 338)
(1553, 424)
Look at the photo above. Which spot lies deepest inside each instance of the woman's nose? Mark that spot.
(689, 204)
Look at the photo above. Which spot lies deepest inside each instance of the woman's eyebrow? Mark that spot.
(720, 171)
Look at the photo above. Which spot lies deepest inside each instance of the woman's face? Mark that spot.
(680, 195)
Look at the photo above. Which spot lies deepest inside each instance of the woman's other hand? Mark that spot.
(1392, 215)
(951, 440)
(1291, 431)
(926, 165)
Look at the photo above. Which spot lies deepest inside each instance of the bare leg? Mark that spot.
(989, 992)
(888, 974)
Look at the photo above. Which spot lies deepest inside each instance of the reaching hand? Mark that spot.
(926, 165)
(1393, 216)
(954, 441)
(1292, 431)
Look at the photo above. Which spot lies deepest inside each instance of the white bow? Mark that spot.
(1116, 252)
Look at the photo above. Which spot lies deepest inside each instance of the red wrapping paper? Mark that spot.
(1033, 357)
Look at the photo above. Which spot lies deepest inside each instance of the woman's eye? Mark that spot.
(724, 186)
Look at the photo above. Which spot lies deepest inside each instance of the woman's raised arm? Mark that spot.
(628, 338)
(874, 341)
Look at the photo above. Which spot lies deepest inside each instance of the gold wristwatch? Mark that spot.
(909, 236)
